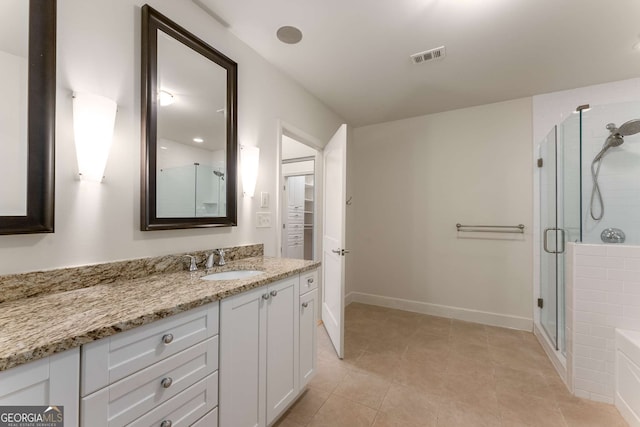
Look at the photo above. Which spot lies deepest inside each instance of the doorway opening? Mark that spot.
(299, 202)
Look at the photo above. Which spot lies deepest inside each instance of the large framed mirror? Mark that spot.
(189, 129)
(27, 115)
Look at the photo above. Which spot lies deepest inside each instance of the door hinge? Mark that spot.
(540, 302)
(540, 162)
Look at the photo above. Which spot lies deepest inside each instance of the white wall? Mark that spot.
(99, 52)
(414, 180)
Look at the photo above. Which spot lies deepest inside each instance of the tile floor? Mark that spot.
(407, 369)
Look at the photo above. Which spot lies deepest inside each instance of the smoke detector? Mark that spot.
(429, 55)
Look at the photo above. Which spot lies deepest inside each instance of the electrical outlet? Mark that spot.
(263, 219)
(264, 199)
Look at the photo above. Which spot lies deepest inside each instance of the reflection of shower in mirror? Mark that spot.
(219, 174)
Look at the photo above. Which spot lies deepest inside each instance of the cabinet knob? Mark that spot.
(166, 423)
(167, 338)
(305, 304)
(265, 296)
(274, 293)
(166, 382)
(310, 280)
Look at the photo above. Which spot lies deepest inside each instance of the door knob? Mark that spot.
(265, 296)
(305, 304)
(166, 382)
(167, 339)
(274, 293)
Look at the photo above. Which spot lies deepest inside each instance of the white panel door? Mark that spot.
(333, 251)
(243, 331)
(282, 346)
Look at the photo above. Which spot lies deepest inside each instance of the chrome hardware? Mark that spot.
(310, 280)
(211, 260)
(545, 240)
(265, 296)
(167, 339)
(166, 382)
(221, 260)
(166, 423)
(192, 265)
(491, 228)
(274, 293)
(335, 251)
(612, 235)
(305, 304)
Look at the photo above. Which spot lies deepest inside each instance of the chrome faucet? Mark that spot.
(192, 265)
(221, 260)
(211, 260)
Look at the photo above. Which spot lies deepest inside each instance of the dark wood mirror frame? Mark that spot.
(40, 123)
(152, 21)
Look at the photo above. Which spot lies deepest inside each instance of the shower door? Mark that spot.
(560, 221)
(548, 301)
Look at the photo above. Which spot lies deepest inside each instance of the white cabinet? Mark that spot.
(51, 381)
(308, 309)
(164, 373)
(259, 354)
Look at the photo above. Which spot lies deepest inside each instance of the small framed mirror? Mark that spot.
(27, 115)
(189, 129)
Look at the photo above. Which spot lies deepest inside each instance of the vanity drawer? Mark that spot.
(308, 281)
(135, 395)
(110, 359)
(187, 408)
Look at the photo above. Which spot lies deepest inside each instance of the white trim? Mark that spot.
(348, 299)
(476, 316)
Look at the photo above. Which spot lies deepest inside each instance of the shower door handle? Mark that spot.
(546, 240)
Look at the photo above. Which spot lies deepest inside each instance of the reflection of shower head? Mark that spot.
(617, 135)
(219, 174)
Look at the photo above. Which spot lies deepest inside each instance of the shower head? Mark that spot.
(616, 138)
(630, 128)
(219, 174)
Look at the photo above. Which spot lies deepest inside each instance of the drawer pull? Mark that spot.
(167, 339)
(310, 280)
(166, 423)
(305, 304)
(166, 382)
(274, 293)
(265, 296)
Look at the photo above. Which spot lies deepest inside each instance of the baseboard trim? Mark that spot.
(476, 316)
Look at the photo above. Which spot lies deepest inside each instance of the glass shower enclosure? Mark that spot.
(565, 160)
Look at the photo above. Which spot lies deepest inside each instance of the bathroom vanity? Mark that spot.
(169, 349)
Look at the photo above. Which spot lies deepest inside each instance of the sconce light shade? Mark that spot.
(94, 118)
(249, 159)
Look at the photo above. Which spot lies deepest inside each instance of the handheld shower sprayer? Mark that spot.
(615, 139)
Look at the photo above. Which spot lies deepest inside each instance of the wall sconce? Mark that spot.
(94, 118)
(249, 160)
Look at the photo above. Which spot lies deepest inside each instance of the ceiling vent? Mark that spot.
(429, 55)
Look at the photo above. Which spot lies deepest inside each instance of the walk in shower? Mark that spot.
(589, 192)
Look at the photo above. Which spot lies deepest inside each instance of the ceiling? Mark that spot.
(354, 54)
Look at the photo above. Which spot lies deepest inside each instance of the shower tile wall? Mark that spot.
(619, 174)
(603, 293)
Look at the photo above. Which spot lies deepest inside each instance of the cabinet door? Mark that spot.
(308, 329)
(282, 346)
(242, 359)
(52, 381)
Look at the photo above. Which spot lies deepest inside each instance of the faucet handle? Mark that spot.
(192, 265)
(221, 260)
(211, 260)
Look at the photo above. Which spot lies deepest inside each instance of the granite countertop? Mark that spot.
(36, 327)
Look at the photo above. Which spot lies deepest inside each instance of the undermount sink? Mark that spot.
(232, 275)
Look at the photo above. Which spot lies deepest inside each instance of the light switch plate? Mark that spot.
(263, 219)
(264, 199)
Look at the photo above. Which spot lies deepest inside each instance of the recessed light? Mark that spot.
(165, 98)
(198, 140)
(289, 35)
